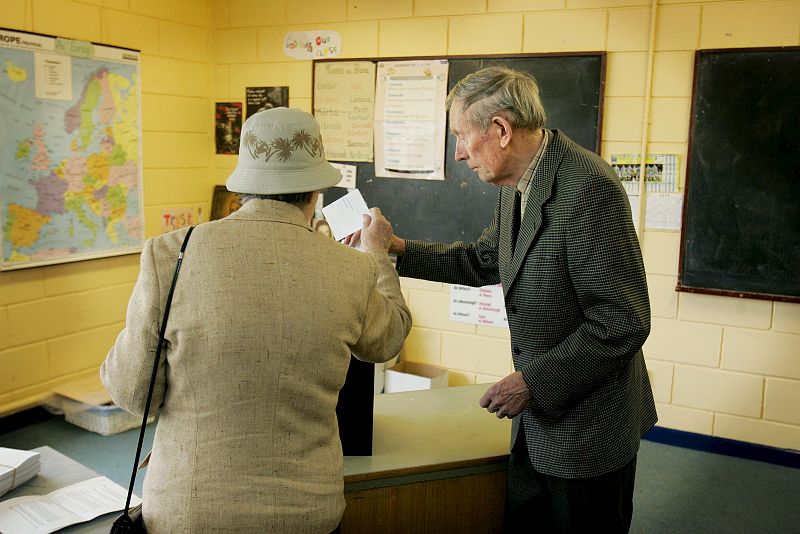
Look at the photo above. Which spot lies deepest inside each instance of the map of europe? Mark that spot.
(69, 168)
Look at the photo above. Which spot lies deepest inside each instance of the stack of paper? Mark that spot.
(17, 467)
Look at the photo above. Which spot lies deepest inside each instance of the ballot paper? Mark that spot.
(17, 467)
(344, 215)
(77, 503)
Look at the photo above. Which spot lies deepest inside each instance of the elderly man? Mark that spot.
(562, 243)
(265, 315)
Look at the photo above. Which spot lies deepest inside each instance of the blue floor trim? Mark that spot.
(728, 447)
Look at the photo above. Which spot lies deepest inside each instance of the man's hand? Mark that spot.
(397, 245)
(508, 397)
(376, 232)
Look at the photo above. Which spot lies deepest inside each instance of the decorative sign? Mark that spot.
(177, 218)
(312, 44)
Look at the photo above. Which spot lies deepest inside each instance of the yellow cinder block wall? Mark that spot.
(57, 322)
(719, 366)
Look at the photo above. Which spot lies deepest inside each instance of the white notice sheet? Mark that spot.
(410, 119)
(77, 503)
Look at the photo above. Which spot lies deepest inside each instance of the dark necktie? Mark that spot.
(515, 219)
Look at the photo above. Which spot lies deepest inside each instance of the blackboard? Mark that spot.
(741, 226)
(459, 207)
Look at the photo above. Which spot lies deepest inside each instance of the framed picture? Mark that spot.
(224, 202)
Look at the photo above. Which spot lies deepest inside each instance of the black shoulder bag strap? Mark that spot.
(125, 523)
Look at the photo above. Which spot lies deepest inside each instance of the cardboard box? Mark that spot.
(380, 374)
(412, 376)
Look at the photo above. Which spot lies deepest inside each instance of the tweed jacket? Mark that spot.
(264, 318)
(577, 305)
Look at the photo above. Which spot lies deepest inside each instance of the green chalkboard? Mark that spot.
(461, 206)
(741, 229)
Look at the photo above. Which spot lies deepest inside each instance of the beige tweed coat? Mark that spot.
(264, 318)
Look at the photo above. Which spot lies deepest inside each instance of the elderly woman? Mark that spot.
(265, 315)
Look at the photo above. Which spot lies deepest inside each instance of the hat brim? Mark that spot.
(276, 182)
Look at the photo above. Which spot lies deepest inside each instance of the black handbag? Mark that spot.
(130, 520)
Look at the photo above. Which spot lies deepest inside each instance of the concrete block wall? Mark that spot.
(57, 322)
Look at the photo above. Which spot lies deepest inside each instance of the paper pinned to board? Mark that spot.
(344, 216)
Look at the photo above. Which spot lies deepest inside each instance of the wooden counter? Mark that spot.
(438, 465)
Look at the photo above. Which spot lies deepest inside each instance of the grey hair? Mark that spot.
(499, 91)
(296, 199)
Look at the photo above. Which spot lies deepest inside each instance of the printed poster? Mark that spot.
(261, 98)
(410, 119)
(228, 127)
(660, 172)
(344, 100)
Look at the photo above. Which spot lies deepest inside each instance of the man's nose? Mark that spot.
(460, 153)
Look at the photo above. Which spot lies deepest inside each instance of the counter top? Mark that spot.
(429, 430)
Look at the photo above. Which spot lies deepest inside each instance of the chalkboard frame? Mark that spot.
(475, 197)
(682, 285)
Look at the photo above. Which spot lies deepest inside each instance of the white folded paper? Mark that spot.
(77, 503)
(344, 215)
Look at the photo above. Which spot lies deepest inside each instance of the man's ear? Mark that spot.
(503, 129)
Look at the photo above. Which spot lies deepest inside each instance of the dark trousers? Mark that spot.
(546, 504)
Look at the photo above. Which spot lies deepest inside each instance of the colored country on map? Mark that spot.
(23, 225)
(14, 72)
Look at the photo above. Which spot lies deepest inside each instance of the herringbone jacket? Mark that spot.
(577, 305)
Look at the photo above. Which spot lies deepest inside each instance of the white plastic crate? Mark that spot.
(107, 420)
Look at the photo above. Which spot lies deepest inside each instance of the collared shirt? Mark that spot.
(524, 185)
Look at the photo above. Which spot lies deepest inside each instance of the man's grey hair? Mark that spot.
(500, 91)
(297, 199)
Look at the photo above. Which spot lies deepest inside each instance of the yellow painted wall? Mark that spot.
(720, 366)
(57, 322)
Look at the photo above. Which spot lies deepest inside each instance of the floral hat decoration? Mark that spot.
(281, 151)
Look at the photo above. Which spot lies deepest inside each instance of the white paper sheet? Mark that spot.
(478, 305)
(344, 216)
(348, 180)
(77, 503)
(410, 119)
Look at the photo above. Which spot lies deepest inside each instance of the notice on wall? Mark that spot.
(660, 172)
(348, 180)
(664, 211)
(478, 305)
(261, 98)
(344, 99)
(410, 119)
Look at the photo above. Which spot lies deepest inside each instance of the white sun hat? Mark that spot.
(280, 151)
